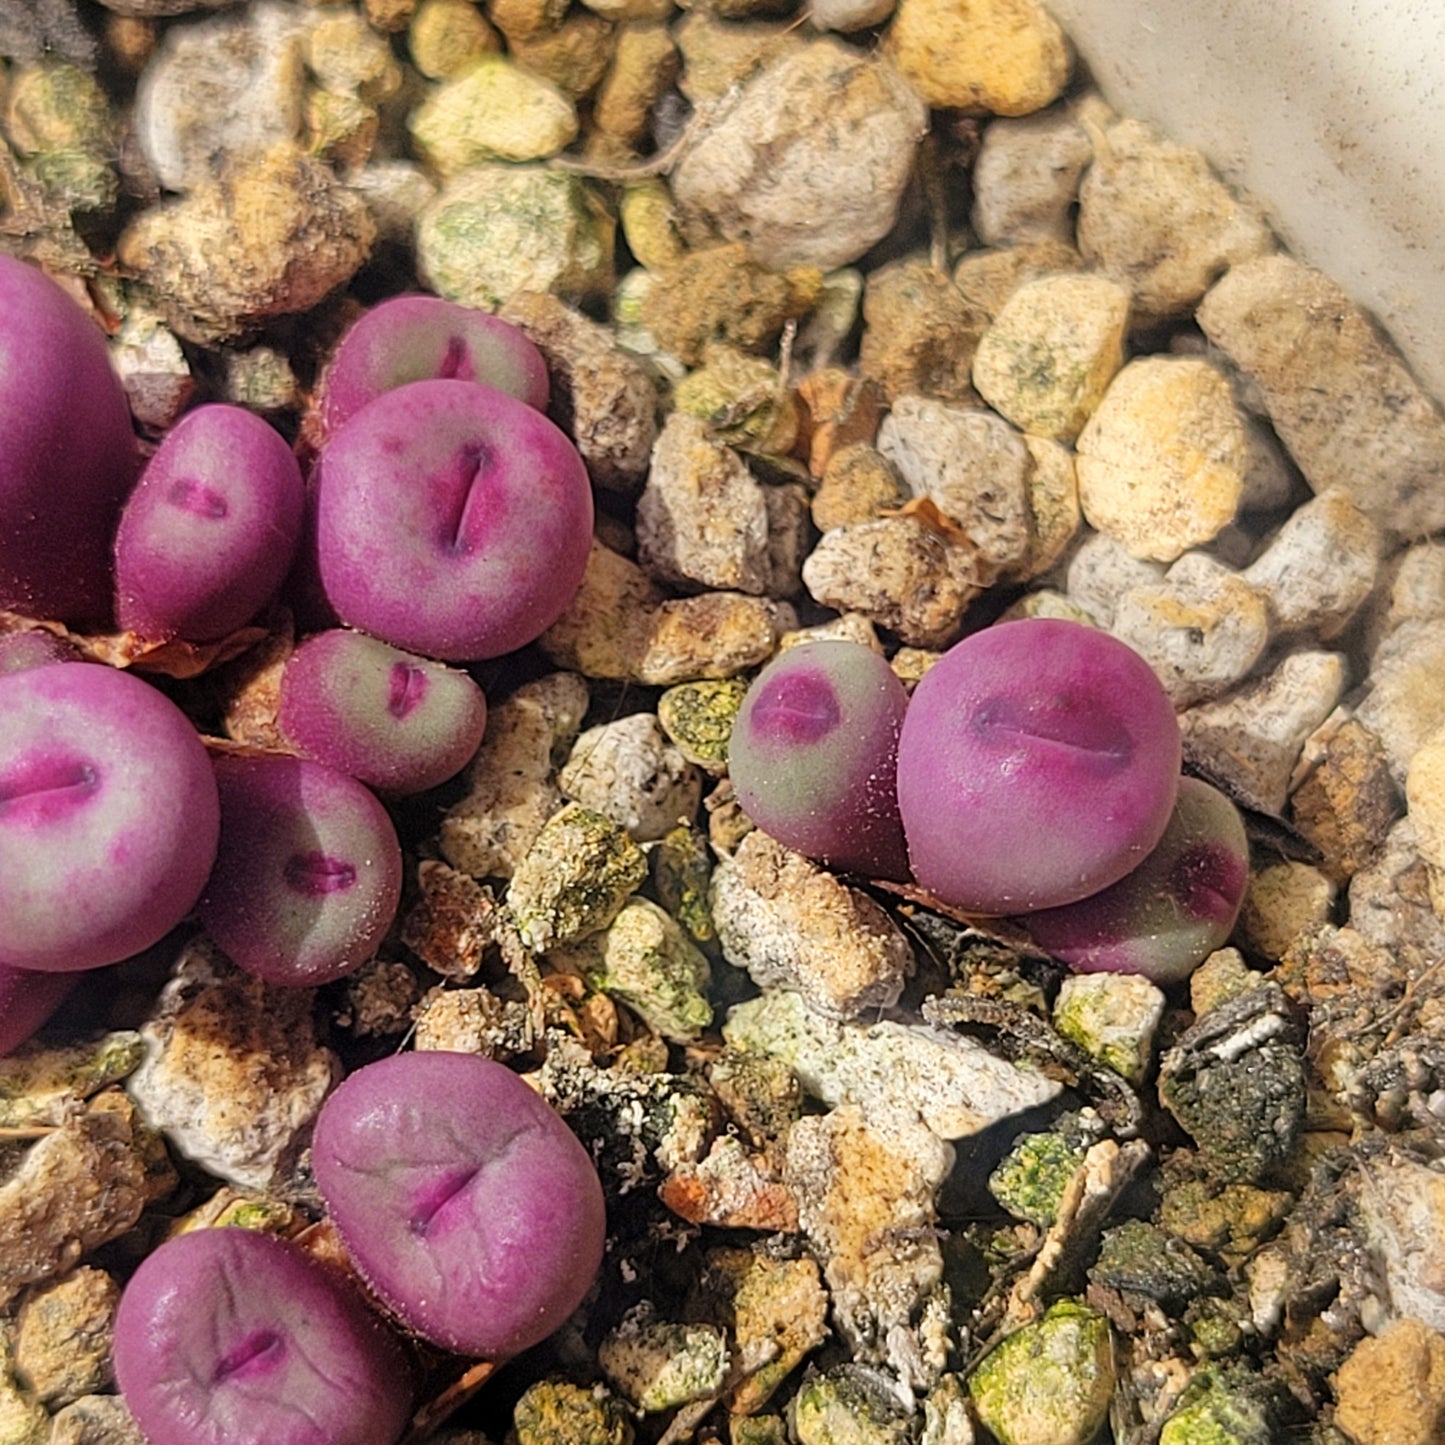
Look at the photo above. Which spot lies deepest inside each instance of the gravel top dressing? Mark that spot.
(718, 724)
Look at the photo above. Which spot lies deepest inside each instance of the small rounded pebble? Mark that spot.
(813, 756)
(108, 816)
(308, 872)
(1173, 910)
(464, 1200)
(232, 1337)
(1038, 763)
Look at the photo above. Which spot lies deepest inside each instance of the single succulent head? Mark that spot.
(1038, 763)
(308, 871)
(33, 647)
(1163, 919)
(451, 520)
(233, 1337)
(398, 722)
(465, 1202)
(813, 756)
(424, 338)
(27, 999)
(207, 536)
(108, 816)
(68, 456)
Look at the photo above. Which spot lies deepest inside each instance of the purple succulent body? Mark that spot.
(27, 999)
(463, 1199)
(208, 535)
(308, 871)
(233, 1337)
(451, 520)
(398, 722)
(68, 456)
(1038, 763)
(33, 647)
(108, 816)
(424, 338)
(1164, 918)
(813, 756)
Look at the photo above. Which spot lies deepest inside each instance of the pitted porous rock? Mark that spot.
(1156, 218)
(1390, 902)
(702, 519)
(444, 37)
(1319, 568)
(492, 111)
(718, 294)
(645, 63)
(847, 627)
(1285, 899)
(71, 1192)
(1201, 629)
(630, 771)
(1101, 571)
(221, 90)
(63, 1336)
(973, 466)
(957, 1086)
(513, 791)
(1026, 178)
(865, 1185)
(808, 163)
(919, 333)
(858, 485)
(1425, 795)
(1053, 498)
(1406, 701)
(453, 923)
(721, 56)
(602, 397)
(96, 1420)
(473, 1021)
(604, 630)
(234, 1073)
(898, 573)
(715, 635)
(574, 57)
(792, 924)
(1004, 56)
(1411, 589)
(1161, 461)
(988, 278)
(273, 236)
(1342, 798)
(1402, 1210)
(1047, 358)
(1340, 397)
(1251, 740)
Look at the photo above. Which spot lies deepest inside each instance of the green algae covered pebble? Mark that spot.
(848, 1406)
(557, 1412)
(497, 229)
(698, 717)
(1213, 1413)
(1032, 1177)
(1050, 1382)
(574, 879)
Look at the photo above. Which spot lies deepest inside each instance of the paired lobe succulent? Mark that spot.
(1034, 772)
